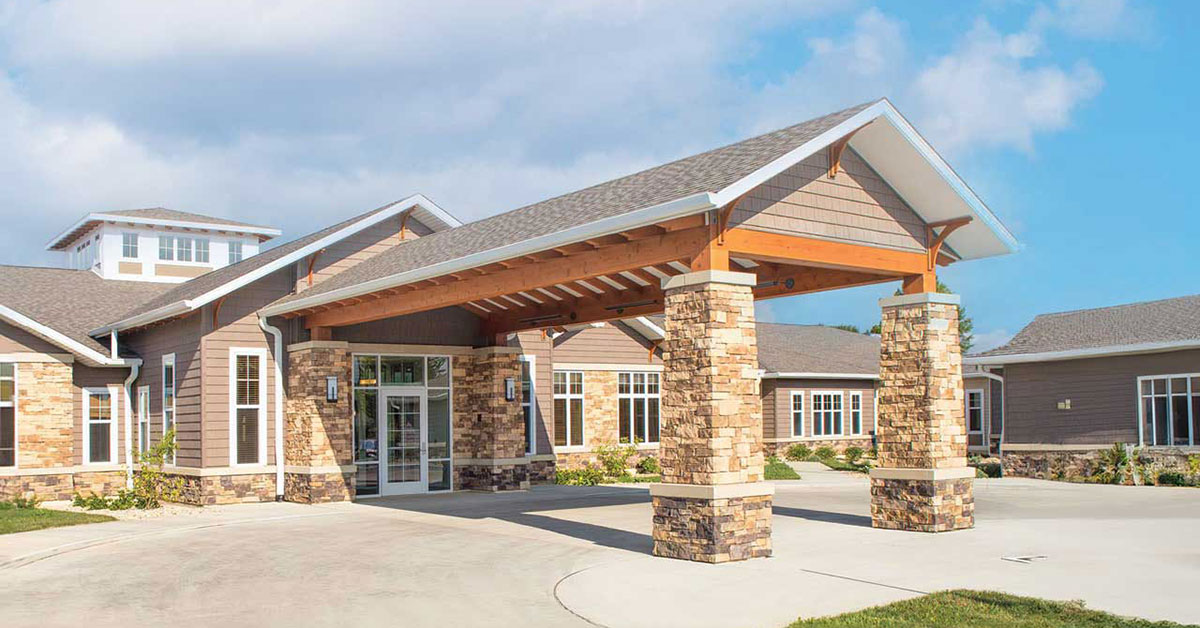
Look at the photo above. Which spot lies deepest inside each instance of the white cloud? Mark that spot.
(987, 340)
(1095, 19)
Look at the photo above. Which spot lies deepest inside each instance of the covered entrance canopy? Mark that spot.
(856, 197)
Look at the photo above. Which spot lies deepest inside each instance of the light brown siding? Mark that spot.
(16, 340)
(111, 379)
(777, 400)
(356, 248)
(856, 206)
(181, 337)
(1102, 392)
(610, 344)
(538, 345)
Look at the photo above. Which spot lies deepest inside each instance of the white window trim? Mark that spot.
(855, 394)
(114, 434)
(169, 250)
(533, 404)
(196, 250)
(982, 413)
(143, 418)
(169, 360)
(582, 397)
(229, 254)
(16, 417)
(137, 249)
(792, 412)
(644, 398)
(841, 413)
(1193, 438)
(261, 354)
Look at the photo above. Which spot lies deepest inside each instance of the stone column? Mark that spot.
(489, 430)
(319, 441)
(922, 482)
(712, 505)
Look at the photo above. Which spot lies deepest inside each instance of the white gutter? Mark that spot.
(133, 374)
(1074, 354)
(163, 222)
(685, 206)
(62, 340)
(279, 401)
(986, 374)
(799, 375)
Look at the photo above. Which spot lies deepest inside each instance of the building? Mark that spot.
(376, 356)
(1076, 382)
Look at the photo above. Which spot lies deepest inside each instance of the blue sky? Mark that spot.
(1072, 119)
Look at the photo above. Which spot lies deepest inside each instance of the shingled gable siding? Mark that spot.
(856, 206)
(182, 338)
(356, 248)
(1103, 394)
(16, 340)
(610, 344)
(777, 404)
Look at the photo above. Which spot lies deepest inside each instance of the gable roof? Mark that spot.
(35, 299)
(160, 217)
(684, 187)
(1146, 327)
(188, 296)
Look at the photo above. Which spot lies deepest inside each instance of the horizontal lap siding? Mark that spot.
(1102, 391)
(856, 206)
(16, 340)
(447, 326)
(181, 337)
(610, 344)
(356, 248)
(112, 380)
(539, 346)
(770, 411)
(781, 403)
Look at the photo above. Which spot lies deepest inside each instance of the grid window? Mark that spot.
(183, 249)
(638, 401)
(166, 248)
(168, 400)
(247, 408)
(797, 413)
(202, 250)
(974, 410)
(856, 422)
(143, 413)
(527, 402)
(235, 252)
(827, 414)
(98, 417)
(1170, 410)
(129, 245)
(568, 408)
(8, 414)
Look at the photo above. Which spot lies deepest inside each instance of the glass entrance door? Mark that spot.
(405, 455)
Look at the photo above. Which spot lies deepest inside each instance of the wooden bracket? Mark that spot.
(312, 260)
(936, 240)
(653, 347)
(836, 149)
(217, 310)
(404, 222)
(725, 215)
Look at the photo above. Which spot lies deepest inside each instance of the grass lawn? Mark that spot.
(841, 465)
(26, 519)
(777, 469)
(979, 609)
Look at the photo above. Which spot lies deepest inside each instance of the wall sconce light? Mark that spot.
(510, 389)
(1065, 404)
(331, 389)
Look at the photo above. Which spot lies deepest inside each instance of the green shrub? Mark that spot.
(1194, 464)
(151, 486)
(777, 469)
(649, 466)
(1113, 465)
(21, 503)
(798, 452)
(614, 459)
(988, 470)
(825, 452)
(1172, 478)
(586, 476)
(853, 454)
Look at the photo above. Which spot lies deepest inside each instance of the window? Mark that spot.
(975, 411)
(827, 414)
(235, 252)
(638, 402)
(797, 413)
(856, 413)
(202, 250)
(247, 444)
(8, 414)
(183, 249)
(1170, 409)
(528, 409)
(99, 443)
(129, 245)
(568, 408)
(168, 400)
(166, 248)
(143, 414)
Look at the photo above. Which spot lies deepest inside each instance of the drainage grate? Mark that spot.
(1024, 560)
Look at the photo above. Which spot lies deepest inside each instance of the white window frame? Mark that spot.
(261, 354)
(143, 418)
(201, 250)
(1193, 438)
(855, 399)
(113, 435)
(643, 398)
(967, 406)
(795, 414)
(235, 245)
(531, 422)
(181, 249)
(166, 248)
(818, 414)
(16, 419)
(169, 360)
(567, 397)
(125, 245)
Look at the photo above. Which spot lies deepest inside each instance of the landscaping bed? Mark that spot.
(853, 459)
(979, 609)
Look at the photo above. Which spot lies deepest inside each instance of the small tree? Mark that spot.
(151, 486)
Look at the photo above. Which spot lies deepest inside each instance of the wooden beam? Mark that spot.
(800, 250)
(321, 333)
(935, 240)
(921, 283)
(658, 249)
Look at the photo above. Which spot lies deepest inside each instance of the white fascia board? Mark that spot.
(182, 307)
(785, 375)
(51, 335)
(430, 211)
(685, 206)
(984, 374)
(646, 328)
(162, 222)
(1075, 354)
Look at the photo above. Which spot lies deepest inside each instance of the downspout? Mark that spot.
(134, 369)
(274, 331)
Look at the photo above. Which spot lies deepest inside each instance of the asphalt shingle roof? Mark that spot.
(162, 213)
(1168, 320)
(71, 302)
(711, 171)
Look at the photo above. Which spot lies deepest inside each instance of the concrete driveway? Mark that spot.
(562, 556)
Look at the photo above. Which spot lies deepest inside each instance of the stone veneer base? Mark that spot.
(492, 478)
(922, 505)
(712, 530)
(318, 488)
(213, 490)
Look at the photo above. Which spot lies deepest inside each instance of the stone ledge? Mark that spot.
(712, 491)
(318, 344)
(917, 299)
(325, 470)
(490, 462)
(498, 351)
(710, 276)
(932, 475)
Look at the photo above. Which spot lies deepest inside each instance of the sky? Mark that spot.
(1072, 119)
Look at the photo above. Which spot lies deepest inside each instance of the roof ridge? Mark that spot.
(1115, 307)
